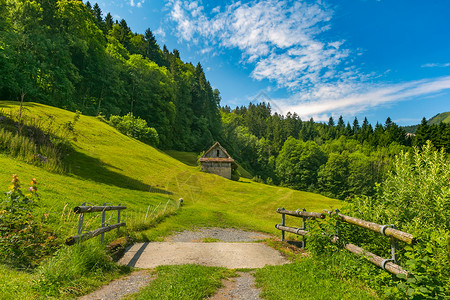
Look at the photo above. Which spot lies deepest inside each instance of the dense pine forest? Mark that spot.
(66, 54)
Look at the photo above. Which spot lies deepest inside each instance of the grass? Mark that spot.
(15, 284)
(108, 167)
(210, 240)
(184, 282)
(306, 279)
(188, 158)
(72, 271)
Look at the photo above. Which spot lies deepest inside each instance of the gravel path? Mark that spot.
(242, 287)
(228, 235)
(119, 288)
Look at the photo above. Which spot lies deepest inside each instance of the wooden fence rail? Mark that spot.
(301, 213)
(87, 209)
(88, 235)
(82, 209)
(389, 265)
(383, 229)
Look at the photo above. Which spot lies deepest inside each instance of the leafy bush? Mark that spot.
(23, 240)
(416, 198)
(135, 127)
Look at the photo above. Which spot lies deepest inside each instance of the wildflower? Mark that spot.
(15, 182)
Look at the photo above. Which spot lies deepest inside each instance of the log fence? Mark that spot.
(389, 231)
(83, 209)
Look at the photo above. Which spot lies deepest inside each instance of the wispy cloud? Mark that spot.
(281, 38)
(350, 100)
(136, 4)
(436, 65)
(283, 41)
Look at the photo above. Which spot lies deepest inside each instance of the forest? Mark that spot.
(66, 54)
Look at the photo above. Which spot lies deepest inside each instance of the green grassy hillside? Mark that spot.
(108, 167)
(442, 117)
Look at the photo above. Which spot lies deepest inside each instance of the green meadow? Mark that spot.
(108, 167)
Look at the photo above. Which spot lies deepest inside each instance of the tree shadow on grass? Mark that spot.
(93, 169)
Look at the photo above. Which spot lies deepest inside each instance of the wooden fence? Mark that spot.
(100, 231)
(390, 231)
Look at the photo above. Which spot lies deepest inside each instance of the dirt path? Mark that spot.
(119, 288)
(242, 287)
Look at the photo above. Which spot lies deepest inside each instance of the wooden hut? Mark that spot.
(217, 161)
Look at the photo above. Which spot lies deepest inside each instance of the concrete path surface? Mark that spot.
(229, 255)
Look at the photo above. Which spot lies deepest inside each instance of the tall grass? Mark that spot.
(73, 271)
(36, 140)
(24, 148)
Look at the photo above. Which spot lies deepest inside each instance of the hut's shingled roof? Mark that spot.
(218, 159)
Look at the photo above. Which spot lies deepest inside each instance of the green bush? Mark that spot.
(23, 240)
(416, 198)
(136, 128)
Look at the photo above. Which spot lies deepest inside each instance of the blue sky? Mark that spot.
(316, 58)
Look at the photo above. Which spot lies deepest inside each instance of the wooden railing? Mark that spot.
(100, 231)
(390, 231)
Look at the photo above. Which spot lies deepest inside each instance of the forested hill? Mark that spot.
(65, 54)
(442, 117)
(436, 120)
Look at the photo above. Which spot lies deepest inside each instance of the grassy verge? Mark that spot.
(307, 279)
(71, 272)
(184, 282)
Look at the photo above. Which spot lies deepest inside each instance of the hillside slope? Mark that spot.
(442, 117)
(108, 167)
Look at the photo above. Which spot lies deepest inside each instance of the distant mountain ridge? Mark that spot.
(442, 117)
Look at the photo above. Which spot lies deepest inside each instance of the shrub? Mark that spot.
(416, 198)
(23, 240)
(135, 127)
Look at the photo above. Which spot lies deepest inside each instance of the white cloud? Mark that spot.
(138, 4)
(345, 99)
(283, 41)
(436, 65)
(160, 32)
(279, 37)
